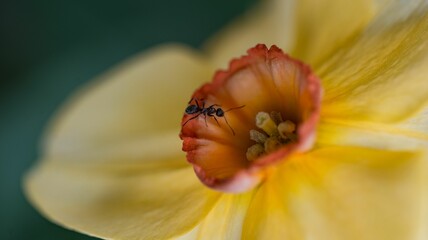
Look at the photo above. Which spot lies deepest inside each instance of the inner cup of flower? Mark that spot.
(256, 113)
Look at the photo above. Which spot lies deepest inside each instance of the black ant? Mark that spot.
(210, 111)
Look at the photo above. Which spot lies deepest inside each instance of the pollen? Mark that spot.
(272, 134)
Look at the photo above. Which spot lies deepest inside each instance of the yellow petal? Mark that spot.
(145, 205)
(268, 217)
(323, 26)
(128, 156)
(375, 135)
(142, 97)
(224, 221)
(270, 22)
(311, 30)
(113, 165)
(418, 122)
(381, 76)
(343, 193)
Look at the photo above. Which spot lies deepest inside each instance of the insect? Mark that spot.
(213, 110)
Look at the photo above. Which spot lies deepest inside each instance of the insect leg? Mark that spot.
(197, 103)
(193, 99)
(191, 119)
(225, 119)
(216, 121)
(206, 124)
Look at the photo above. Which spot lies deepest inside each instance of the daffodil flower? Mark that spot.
(324, 139)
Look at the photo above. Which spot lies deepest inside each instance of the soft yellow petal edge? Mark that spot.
(323, 26)
(151, 205)
(224, 221)
(269, 22)
(309, 30)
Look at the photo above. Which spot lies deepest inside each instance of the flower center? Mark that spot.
(274, 132)
(258, 113)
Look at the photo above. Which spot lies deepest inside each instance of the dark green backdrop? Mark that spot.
(50, 48)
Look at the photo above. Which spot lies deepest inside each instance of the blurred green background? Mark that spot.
(50, 48)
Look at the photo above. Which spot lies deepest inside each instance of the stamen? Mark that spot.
(255, 151)
(274, 133)
(286, 129)
(276, 117)
(258, 136)
(265, 122)
(272, 144)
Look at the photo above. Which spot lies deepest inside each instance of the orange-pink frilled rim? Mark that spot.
(264, 80)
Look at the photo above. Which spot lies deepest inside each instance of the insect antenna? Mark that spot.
(225, 119)
(230, 109)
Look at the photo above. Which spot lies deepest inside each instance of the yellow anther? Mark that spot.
(286, 128)
(272, 144)
(255, 151)
(265, 122)
(258, 136)
(274, 132)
